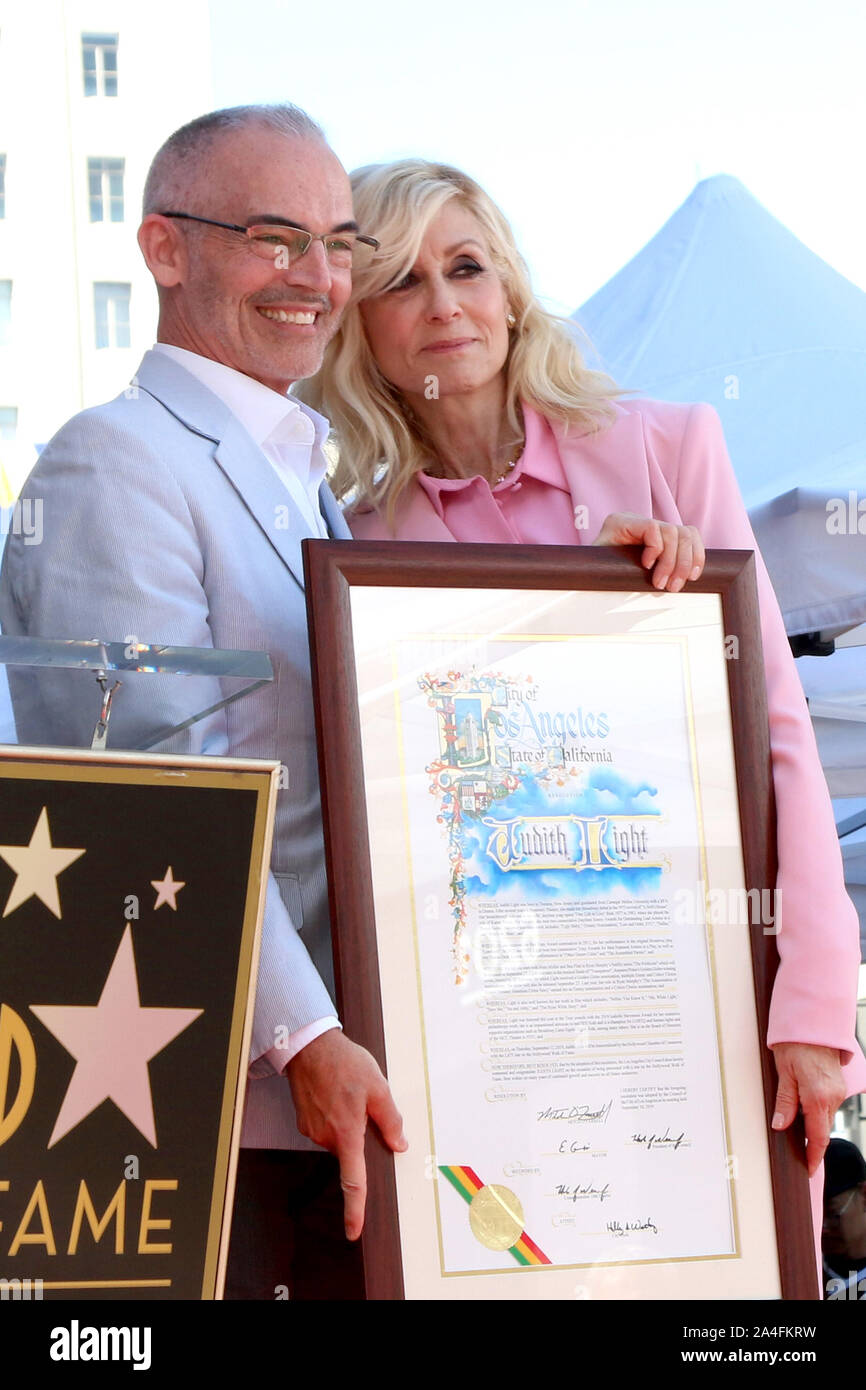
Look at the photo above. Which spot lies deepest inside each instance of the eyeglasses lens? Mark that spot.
(287, 244)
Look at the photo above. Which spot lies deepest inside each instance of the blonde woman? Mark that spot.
(464, 412)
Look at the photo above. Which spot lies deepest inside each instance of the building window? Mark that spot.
(111, 311)
(105, 186)
(2, 185)
(8, 422)
(5, 311)
(99, 57)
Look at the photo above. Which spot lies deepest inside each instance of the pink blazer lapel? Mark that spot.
(606, 472)
(417, 520)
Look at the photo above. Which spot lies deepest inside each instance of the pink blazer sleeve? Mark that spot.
(814, 999)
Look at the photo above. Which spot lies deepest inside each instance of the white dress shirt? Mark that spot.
(289, 433)
(291, 436)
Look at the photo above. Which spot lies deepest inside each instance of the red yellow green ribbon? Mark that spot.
(467, 1182)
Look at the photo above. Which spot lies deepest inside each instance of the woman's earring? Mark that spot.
(510, 319)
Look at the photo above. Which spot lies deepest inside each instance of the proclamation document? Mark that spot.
(553, 823)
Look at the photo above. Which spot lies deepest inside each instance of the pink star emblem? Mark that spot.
(167, 890)
(112, 1043)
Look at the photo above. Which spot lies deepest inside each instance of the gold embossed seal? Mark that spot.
(496, 1217)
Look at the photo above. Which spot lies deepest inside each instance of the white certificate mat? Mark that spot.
(563, 944)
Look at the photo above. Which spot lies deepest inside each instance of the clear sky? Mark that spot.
(589, 121)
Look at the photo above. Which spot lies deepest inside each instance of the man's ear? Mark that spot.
(164, 249)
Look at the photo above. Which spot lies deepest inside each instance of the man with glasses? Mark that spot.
(174, 515)
(843, 1238)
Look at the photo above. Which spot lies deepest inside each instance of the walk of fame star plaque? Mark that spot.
(131, 896)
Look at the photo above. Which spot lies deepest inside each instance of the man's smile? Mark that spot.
(305, 316)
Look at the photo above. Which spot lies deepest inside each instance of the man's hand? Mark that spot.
(336, 1085)
(810, 1078)
(677, 552)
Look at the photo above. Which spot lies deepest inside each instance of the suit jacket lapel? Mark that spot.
(333, 515)
(236, 453)
(273, 507)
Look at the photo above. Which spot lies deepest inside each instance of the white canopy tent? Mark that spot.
(725, 305)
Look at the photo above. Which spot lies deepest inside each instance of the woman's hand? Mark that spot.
(810, 1079)
(673, 553)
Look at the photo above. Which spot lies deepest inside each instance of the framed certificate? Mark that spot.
(550, 837)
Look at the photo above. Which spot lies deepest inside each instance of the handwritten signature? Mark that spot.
(576, 1112)
(573, 1146)
(660, 1141)
(619, 1228)
(574, 1194)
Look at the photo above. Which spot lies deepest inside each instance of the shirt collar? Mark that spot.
(540, 460)
(267, 415)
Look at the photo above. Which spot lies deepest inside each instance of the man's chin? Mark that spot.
(279, 370)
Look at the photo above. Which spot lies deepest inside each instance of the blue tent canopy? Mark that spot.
(725, 305)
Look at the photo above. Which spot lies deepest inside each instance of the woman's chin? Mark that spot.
(437, 385)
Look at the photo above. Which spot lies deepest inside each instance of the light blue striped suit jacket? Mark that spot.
(163, 519)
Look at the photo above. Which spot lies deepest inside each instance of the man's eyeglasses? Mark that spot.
(284, 244)
(832, 1218)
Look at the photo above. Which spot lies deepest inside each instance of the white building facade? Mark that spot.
(89, 89)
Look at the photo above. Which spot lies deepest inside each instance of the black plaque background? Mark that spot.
(186, 959)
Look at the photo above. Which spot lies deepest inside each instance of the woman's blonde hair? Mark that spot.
(382, 445)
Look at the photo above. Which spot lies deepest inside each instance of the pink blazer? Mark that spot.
(670, 462)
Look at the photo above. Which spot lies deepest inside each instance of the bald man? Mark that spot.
(175, 513)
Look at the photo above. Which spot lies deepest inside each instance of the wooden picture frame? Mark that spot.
(395, 594)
